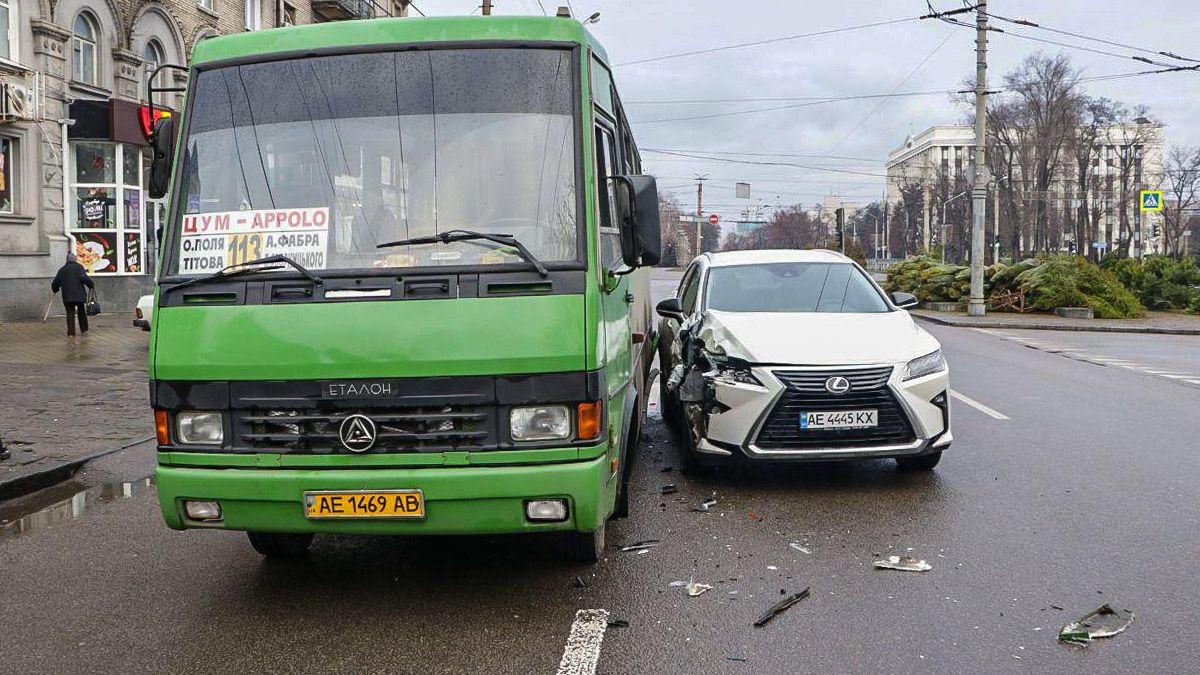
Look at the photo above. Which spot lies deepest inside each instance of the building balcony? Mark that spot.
(342, 10)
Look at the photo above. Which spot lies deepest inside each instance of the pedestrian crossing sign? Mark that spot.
(1152, 200)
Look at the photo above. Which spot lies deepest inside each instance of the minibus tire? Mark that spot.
(280, 546)
(584, 547)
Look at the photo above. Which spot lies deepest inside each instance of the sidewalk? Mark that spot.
(63, 401)
(1165, 323)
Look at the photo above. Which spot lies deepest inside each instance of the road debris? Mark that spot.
(695, 588)
(903, 563)
(641, 546)
(618, 623)
(667, 469)
(754, 516)
(579, 583)
(803, 549)
(705, 505)
(669, 489)
(735, 658)
(1102, 622)
(780, 606)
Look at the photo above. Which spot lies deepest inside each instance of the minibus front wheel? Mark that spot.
(584, 547)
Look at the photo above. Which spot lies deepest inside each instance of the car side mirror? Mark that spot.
(670, 308)
(637, 217)
(904, 300)
(162, 141)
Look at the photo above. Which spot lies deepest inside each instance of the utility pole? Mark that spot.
(699, 208)
(487, 7)
(976, 306)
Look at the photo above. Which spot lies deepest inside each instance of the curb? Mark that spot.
(968, 323)
(34, 481)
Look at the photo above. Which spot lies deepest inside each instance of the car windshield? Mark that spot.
(323, 158)
(792, 287)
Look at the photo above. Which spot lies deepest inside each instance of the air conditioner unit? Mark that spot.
(22, 97)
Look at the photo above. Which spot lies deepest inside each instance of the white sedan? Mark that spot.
(799, 355)
(143, 314)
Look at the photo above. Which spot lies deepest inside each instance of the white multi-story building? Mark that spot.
(940, 160)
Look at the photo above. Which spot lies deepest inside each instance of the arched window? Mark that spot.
(83, 49)
(154, 56)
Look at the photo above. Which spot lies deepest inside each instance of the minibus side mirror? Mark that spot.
(637, 212)
(670, 308)
(904, 300)
(162, 142)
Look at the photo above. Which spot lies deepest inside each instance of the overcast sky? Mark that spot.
(863, 62)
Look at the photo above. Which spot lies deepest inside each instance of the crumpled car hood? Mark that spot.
(812, 338)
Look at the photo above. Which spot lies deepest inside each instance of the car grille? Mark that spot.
(417, 429)
(805, 392)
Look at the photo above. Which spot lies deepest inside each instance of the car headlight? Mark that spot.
(540, 423)
(926, 365)
(200, 428)
(737, 376)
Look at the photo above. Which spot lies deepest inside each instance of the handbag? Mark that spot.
(93, 305)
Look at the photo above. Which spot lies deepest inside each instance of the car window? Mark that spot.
(691, 286)
(792, 287)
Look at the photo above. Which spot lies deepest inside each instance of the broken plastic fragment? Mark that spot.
(802, 549)
(640, 546)
(579, 583)
(1103, 622)
(676, 377)
(692, 388)
(669, 489)
(903, 563)
(695, 588)
(706, 505)
(618, 623)
(780, 606)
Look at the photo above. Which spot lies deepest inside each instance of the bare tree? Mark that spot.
(1095, 115)
(1181, 184)
(1131, 132)
(1047, 92)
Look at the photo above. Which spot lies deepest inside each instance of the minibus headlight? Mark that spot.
(540, 423)
(200, 428)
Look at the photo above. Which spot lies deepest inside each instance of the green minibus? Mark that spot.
(403, 285)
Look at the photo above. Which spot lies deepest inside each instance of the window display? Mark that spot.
(108, 214)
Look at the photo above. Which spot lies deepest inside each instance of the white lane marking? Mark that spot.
(1083, 355)
(990, 412)
(582, 652)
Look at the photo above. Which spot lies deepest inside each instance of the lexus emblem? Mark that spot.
(836, 385)
(357, 433)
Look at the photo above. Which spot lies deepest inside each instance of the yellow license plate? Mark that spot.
(364, 504)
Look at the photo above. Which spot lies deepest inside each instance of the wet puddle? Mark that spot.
(63, 503)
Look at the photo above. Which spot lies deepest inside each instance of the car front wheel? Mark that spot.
(584, 547)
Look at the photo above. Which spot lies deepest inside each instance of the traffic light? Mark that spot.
(1154, 230)
(840, 229)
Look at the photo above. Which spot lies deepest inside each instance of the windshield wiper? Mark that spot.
(466, 235)
(250, 266)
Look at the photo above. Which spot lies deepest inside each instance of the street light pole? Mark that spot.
(943, 228)
(976, 306)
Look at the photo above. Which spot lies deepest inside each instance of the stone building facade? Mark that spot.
(74, 160)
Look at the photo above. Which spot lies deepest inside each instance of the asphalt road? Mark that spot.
(1087, 493)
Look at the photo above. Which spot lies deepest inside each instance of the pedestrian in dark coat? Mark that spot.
(73, 281)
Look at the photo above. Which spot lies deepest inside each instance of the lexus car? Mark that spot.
(799, 355)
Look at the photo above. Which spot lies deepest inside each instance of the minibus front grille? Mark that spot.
(428, 429)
